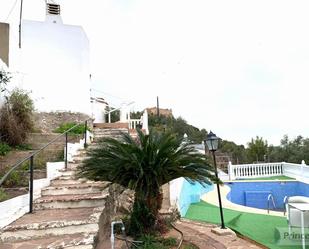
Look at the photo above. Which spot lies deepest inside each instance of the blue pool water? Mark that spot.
(254, 194)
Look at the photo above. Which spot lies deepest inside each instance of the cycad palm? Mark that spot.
(144, 165)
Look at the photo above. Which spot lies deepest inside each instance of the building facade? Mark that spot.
(52, 62)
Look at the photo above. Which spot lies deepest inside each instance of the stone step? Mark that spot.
(57, 182)
(110, 130)
(66, 177)
(71, 241)
(43, 223)
(97, 137)
(72, 166)
(70, 201)
(67, 172)
(74, 189)
(94, 145)
(79, 159)
(112, 135)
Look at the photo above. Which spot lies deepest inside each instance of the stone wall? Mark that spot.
(47, 122)
(163, 112)
(118, 203)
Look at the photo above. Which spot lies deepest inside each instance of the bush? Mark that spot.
(23, 147)
(4, 79)
(16, 118)
(4, 149)
(153, 242)
(79, 129)
(3, 195)
(16, 178)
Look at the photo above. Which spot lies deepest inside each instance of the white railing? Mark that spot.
(143, 122)
(133, 123)
(247, 171)
(298, 171)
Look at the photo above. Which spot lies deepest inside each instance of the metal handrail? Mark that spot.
(31, 159)
(270, 197)
(285, 200)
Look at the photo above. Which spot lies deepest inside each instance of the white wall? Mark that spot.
(54, 64)
(175, 190)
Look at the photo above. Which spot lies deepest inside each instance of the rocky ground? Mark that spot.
(46, 122)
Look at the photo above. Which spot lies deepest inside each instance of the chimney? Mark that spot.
(53, 12)
(53, 9)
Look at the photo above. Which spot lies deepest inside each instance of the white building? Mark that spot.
(52, 63)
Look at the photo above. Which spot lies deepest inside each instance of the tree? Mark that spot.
(178, 126)
(144, 165)
(293, 151)
(4, 79)
(238, 152)
(257, 149)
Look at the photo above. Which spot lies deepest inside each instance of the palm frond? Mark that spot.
(147, 163)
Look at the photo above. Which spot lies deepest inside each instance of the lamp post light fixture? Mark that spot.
(212, 142)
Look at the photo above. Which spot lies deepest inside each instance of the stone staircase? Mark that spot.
(100, 133)
(66, 215)
(68, 212)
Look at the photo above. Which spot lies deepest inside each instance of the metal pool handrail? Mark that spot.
(270, 197)
(285, 201)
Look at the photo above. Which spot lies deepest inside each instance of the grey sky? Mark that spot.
(239, 68)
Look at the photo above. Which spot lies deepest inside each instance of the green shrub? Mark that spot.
(16, 118)
(23, 147)
(4, 149)
(79, 129)
(3, 195)
(16, 178)
(153, 242)
(4, 79)
(170, 241)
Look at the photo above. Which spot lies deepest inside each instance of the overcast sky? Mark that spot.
(238, 68)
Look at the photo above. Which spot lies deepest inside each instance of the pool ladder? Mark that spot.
(285, 201)
(270, 198)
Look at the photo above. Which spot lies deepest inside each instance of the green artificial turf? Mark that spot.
(258, 227)
(271, 178)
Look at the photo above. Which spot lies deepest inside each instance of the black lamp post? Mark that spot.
(212, 142)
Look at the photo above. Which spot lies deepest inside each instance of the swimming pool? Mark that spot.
(255, 194)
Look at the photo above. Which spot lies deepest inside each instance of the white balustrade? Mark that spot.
(296, 170)
(247, 171)
(142, 122)
(133, 123)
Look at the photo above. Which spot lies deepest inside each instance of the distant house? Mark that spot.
(163, 112)
(52, 62)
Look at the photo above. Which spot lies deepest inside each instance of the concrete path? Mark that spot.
(200, 234)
